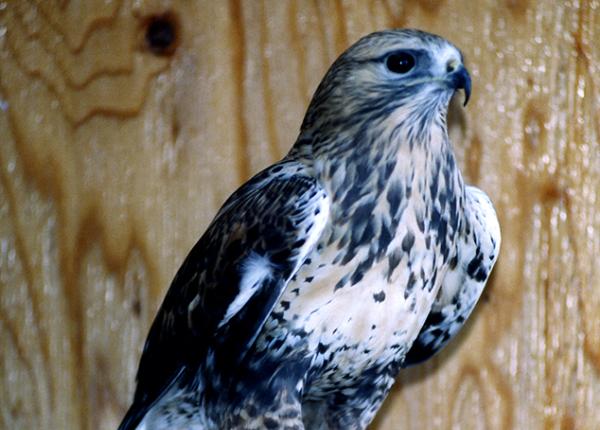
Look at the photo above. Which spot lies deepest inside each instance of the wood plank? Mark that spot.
(114, 159)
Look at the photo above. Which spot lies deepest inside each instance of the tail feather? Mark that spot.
(133, 417)
(142, 404)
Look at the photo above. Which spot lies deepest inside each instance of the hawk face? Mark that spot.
(383, 72)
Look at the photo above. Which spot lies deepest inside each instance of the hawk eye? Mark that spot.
(400, 62)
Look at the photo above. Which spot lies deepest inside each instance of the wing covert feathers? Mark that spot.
(477, 252)
(231, 279)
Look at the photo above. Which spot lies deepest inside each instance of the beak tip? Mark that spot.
(462, 80)
(467, 96)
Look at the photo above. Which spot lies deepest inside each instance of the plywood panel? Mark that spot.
(114, 157)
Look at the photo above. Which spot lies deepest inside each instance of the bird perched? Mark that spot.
(360, 252)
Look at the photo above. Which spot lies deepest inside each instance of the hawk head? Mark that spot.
(385, 73)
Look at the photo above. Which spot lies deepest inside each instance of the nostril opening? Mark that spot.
(451, 65)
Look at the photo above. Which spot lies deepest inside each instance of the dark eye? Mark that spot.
(400, 62)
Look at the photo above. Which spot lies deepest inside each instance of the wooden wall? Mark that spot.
(114, 157)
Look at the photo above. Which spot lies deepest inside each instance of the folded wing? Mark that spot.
(465, 280)
(230, 281)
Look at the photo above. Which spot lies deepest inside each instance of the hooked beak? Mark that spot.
(459, 79)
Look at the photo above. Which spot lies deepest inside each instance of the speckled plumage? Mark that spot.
(359, 253)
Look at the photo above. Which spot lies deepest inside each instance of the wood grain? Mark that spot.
(114, 159)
